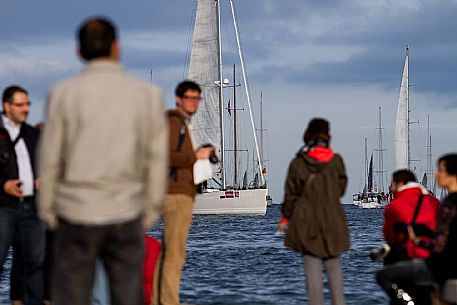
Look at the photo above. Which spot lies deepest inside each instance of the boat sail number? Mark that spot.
(230, 195)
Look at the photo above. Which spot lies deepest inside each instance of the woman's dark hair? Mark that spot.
(450, 163)
(404, 176)
(183, 86)
(318, 130)
(96, 37)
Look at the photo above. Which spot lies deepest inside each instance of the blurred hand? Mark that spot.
(282, 226)
(13, 187)
(204, 152)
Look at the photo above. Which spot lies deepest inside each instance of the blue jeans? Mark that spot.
(23, 226)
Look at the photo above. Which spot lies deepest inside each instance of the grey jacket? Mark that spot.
(103, 152)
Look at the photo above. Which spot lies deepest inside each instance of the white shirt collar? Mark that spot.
(9, 123)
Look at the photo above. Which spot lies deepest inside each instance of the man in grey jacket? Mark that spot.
(103, 170)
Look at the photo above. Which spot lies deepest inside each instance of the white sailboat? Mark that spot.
(373, 195)
(402, 130)
(208, 123)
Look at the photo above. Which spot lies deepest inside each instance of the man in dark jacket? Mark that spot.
(18, 216)
(179, 202)
(399, 214)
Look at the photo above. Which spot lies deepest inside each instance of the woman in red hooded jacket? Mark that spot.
(313, 213)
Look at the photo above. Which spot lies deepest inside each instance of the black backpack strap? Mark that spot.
(416, 212)
(182, 136)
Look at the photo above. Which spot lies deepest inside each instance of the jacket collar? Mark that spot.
(412, 185)
(103, 66)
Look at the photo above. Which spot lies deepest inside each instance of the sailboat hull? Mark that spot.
(231, 202)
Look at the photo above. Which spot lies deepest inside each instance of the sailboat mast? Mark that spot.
(261, 127)
(248, 94)
(366, 164)
(221, 95)
(235, 148)
(408, 109)
(380, 155)
(429, 157)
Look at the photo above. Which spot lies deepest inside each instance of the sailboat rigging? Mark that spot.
(208, 124)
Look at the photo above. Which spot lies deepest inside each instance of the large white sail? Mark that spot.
(402, 122)
(204, 69)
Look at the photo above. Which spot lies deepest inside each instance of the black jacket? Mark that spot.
(8, 161)
(443, 265)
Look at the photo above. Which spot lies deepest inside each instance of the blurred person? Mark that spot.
(179, 202)
(19, 222)
(417, 276)
(413, 208)
(312, 211)
(103, 162)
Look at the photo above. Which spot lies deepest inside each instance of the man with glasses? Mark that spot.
(179, 202)
(18, 185)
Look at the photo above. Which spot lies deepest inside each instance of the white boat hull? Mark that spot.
(231, 202)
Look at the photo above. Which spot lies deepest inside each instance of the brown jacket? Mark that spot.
(317, 223)
(182, 158)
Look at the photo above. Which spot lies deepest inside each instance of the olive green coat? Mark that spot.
(317, 223)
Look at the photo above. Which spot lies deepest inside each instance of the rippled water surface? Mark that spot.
(240, 260)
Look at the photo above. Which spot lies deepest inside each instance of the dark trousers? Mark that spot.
(17, 270)
(120, 248)
(22, 226)
(411, 276)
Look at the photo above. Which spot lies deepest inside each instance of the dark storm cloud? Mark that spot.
(269, 27)
(56, 19)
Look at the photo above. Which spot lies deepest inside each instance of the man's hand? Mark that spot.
(282, 226)
(204, 152)
(13, 187)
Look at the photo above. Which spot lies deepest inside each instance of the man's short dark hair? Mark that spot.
(450, 163)
(183, 86)
(96, 37)
(404, 176)
(9, 92)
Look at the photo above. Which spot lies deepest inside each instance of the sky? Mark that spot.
(336, 59)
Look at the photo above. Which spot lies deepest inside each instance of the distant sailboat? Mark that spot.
(369, 197)
(402, 128)
(208, 124)
(431, 181)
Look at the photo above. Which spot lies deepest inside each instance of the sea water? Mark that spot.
(235, 260)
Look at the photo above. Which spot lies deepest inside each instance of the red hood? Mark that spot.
(322, 154)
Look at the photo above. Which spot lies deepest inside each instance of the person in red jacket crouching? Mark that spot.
(409, 219)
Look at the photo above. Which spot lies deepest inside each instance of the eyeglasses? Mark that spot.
(21, 104)
(192, 98)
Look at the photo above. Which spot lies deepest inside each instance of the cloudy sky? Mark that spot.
(331, 58)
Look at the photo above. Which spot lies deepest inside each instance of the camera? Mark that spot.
(212, 158)
(379, 253)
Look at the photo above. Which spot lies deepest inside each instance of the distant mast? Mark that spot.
(380, 150)
(402, 130)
